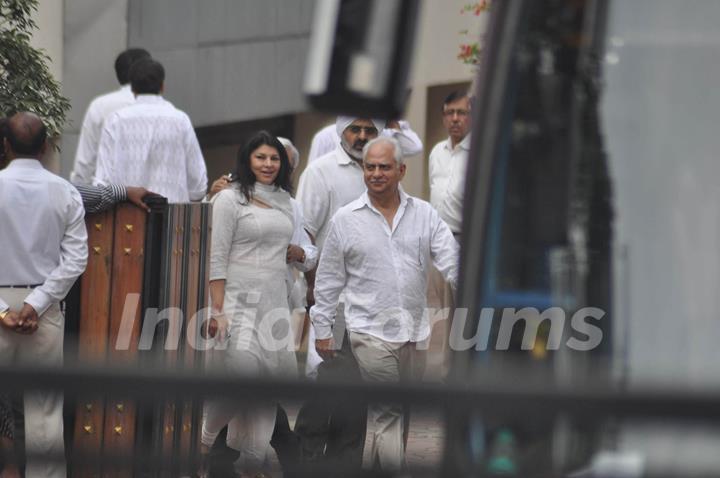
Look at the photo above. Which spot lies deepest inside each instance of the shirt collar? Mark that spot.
(126, 88)
(25, 163)
(343, 159)
(149, 99)
(464, 144)
(364, 200)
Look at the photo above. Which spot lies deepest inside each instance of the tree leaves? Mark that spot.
(25, 80)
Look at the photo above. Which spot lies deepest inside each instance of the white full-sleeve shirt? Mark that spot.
(153, 144)
(327, 140)
(447, 171)
(326, 185)
(42, 232)
(382, 270)
(98, 111)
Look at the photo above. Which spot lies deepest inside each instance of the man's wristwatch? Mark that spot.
(4, 313)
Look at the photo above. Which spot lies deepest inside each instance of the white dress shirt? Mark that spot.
(152, 144)
(447, 171)
(382, 270)
(98, 111)
(42, 232)
(327, 140)
(326, 185)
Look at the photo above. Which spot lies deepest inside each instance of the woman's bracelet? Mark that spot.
(217, 313)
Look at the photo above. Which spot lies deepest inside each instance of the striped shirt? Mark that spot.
(99, 198)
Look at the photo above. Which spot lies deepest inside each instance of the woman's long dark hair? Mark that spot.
(244, 175)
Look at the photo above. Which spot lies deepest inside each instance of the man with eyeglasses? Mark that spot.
(329, 431)
(448, 159)
(447, 167)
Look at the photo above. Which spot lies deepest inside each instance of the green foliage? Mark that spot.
(25, 80)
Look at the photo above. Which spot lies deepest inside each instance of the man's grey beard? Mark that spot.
(353, 153)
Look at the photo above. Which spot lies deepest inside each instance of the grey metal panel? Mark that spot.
(95, 31)
(180, 87)
(163, 24)
(227, 60)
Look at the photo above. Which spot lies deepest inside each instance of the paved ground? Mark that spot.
(425, 443)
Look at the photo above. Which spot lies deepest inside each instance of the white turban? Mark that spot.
(343, 122)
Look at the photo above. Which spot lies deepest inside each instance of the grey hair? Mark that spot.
(397, 151)
(294, 154)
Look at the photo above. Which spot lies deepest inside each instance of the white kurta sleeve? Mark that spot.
(329, 283)
(410, 142)
(86, 154)
(196, 169)
(106, 156)
(224, 222)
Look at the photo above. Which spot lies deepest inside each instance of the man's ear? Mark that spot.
(403, 169)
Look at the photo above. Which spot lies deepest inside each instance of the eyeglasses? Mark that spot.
(369, 130)
(460, 113)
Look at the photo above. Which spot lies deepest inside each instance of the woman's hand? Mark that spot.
(295, 254)
(218, 185)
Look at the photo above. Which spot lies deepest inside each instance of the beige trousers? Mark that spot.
(440, 300)
(43, 410)
(382, 361)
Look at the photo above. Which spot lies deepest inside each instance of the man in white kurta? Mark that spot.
(44, 250)
(327, 139)
(378, 249)
(98, 111)
(151, 143)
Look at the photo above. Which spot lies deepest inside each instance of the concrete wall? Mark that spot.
(48, 36)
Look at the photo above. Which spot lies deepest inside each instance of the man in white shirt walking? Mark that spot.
(44, 250)
(98, 111)
(329, 430)
(378, 250)
(151, 143)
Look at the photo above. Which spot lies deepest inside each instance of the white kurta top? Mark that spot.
(383, 270)
(98, 111)
(248, 250)
(152, 144)
(42, 233)
(447, 170)
(326, 185)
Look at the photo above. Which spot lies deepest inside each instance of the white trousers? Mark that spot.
(43, 410)
(250, 425)
(382, 361)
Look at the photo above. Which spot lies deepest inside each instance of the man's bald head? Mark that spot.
(25, 136)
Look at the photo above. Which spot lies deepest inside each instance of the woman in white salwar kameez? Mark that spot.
(251, 230)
